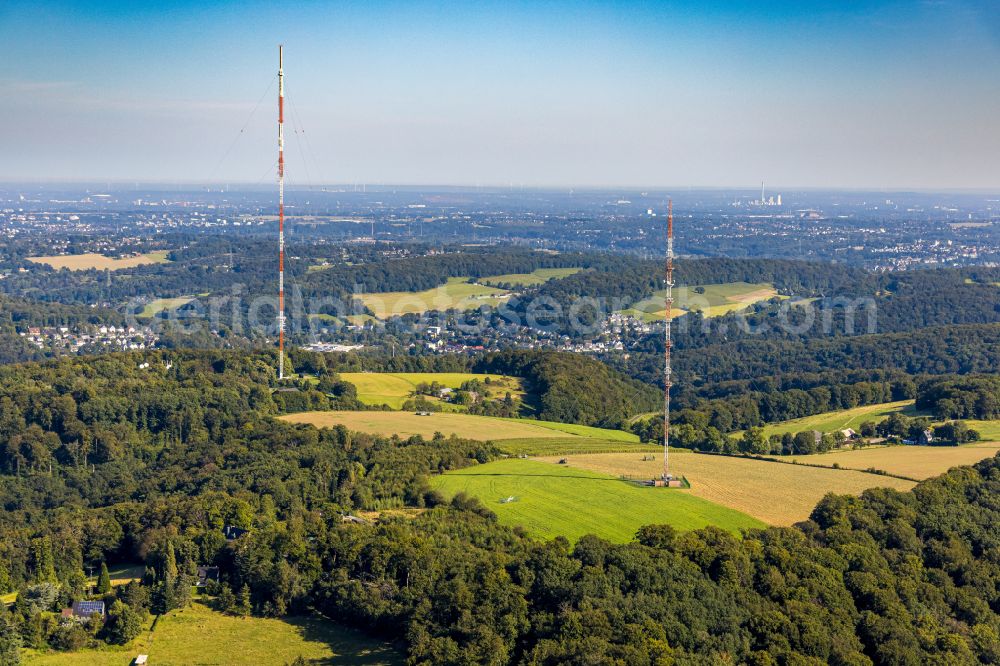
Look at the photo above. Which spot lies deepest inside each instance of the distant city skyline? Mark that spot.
(862, 95)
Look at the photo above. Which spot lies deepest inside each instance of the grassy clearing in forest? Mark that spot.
(556, 500)
(841, 419)
(200, 635)
(395, 388)
(153, 308)
(989, 431)
(537, 276)
(82, 262)
(776, 493)
(456, 294)
(713, 300)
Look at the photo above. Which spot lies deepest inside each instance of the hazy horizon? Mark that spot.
(750, 189)
(874, 96)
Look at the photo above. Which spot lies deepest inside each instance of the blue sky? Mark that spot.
(827, 94)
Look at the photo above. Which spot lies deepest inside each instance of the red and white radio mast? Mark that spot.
(281, 213)
(668, 318)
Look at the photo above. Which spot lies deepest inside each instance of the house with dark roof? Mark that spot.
(205, 575)
(232, 532)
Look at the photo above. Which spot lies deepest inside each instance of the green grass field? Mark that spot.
(352, 320)
(484, 428)
(590, 431)
(537, 276)
(840, 419)
(160, 304)
(395, 388)
(199, 635)
(717, 300)
(82, 262)
(553, 500)
(989, 431)
(457, 294)
(555, 446)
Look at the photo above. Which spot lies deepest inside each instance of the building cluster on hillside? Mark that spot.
(79, 339)
(330, 347)
(470, 332)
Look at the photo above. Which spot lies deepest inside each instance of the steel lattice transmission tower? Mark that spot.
(281, 212)
(668, 319)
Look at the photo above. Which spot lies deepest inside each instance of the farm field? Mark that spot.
(485, 428)
(590, 431)
(457, 294)
(537, 276)
(353, 320)
(153, 308)
(82, 262)
(851, 418)
(199, 635)
(717, 300)
(393, 389)
(841, 419)
(916, 462)
(553, 500)
(989, 431)
(775, 493)
(558, 446)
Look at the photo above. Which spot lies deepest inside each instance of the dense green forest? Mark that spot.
(961, 397)
(106, 461)
(766, 365)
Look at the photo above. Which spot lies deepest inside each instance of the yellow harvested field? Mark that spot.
(83, 262)
(916, 462)
(775, 493)
(407, 424)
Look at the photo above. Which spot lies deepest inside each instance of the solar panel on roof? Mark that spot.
(88, 607)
